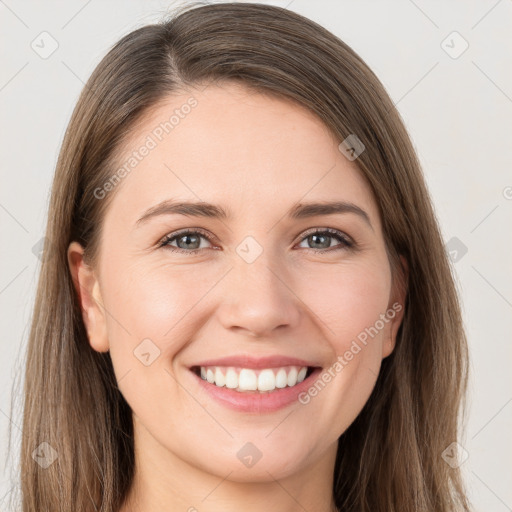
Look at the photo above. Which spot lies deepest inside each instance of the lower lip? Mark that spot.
(257, 402)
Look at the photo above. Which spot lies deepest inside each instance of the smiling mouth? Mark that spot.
(249, 380)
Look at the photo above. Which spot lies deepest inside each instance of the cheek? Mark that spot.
(349, 303)
(156, 301)
(347, 299)
(153, 313)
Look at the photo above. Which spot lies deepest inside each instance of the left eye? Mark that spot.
(318, 238)
(190, 241)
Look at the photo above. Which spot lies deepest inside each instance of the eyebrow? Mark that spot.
(204, 209)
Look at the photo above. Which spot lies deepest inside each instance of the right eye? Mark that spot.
(190, 241)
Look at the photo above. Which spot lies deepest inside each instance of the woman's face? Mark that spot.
(251, 284)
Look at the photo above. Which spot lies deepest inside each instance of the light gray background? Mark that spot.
(457, 110)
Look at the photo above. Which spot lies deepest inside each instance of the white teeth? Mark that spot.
(246, 379)
(266, 380)
(220, 380)
(231, 379)
(292, 377)
(281, 378)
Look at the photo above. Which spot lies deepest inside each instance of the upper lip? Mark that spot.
(246, 361)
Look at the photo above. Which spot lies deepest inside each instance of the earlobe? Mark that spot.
(394, 324)
(88, 291)
(396, 308)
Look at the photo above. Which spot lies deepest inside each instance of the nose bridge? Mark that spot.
(258, 296)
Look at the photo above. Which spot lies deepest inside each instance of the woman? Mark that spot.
(247, 302)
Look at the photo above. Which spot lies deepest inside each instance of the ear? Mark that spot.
(396, 307)
(91, 304)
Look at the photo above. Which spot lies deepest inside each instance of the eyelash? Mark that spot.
(346, 243)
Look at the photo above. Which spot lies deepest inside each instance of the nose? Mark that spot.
(258, 298)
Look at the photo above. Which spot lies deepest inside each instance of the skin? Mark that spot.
(256, 156)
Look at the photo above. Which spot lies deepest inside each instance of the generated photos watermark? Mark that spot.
(151, 142)
(344, 359)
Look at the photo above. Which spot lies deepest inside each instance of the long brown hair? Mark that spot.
(390, 458)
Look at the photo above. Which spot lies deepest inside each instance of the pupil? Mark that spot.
(315, 237)
(188, 237)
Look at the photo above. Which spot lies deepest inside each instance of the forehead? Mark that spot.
(230, 145)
